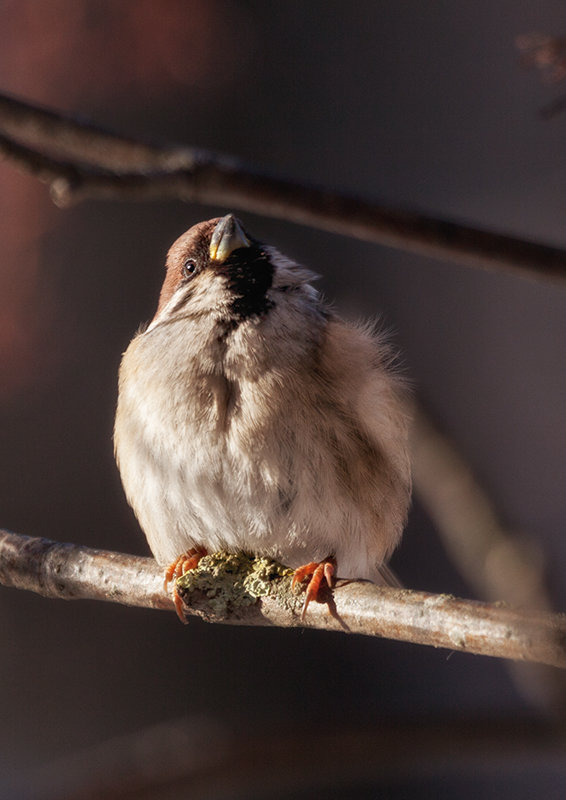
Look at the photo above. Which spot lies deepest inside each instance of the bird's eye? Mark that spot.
(189, 267)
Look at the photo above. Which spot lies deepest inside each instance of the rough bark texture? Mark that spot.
(240, 590)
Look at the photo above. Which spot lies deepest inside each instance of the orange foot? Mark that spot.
(317, 571)
(180, 566)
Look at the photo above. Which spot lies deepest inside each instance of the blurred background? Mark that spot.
(425, 106)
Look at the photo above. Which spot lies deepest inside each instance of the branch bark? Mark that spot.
(72, 572)
(82, 161)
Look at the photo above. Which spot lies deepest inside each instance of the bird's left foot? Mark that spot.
(176, 569)
(318, 571)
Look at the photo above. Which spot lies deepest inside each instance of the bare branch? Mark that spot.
(499, 563)
(248, 594)
(548, 55)
(125, 168)
(43, 129)
(72, 572)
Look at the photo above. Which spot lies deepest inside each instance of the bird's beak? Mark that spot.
(227, 237)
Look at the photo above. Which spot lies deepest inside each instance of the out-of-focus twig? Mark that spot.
(72, 572)
(202, 760)
(498, 563)
(548, 55)
(545, 53)
(50, 131)
(81, 161)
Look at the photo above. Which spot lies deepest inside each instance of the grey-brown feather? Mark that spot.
(280, 433)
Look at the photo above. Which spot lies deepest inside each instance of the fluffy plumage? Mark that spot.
(252, 418)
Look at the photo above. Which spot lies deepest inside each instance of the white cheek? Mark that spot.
(206, 294)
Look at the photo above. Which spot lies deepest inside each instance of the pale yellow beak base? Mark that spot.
(227, 237)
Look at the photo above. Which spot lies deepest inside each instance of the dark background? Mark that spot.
(423, 105)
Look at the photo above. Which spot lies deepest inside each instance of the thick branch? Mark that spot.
(71, 572)
(122, 168)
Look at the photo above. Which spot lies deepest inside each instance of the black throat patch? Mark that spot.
(250, 275)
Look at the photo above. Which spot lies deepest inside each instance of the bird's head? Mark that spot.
(216, 268)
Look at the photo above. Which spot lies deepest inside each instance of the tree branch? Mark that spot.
(498, 563)
(71, 572)
(80, 160)
(83, 161)
(263, 596)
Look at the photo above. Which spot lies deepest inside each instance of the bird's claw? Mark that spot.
(175, 570)
(318, 571)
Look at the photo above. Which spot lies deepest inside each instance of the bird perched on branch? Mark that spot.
(251, 418)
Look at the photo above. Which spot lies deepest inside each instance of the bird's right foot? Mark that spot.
(176, 569)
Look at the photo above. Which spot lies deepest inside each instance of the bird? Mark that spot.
(252, 418)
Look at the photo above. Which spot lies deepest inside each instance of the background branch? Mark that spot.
(92, 163)
(169, 760)
(498, 563)
(71, 572)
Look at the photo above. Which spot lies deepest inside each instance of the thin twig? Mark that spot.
(72, 572)
(498, 563)
(150, 172)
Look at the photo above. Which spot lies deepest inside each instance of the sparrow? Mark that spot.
(252, 418)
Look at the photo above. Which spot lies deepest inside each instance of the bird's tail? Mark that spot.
(388, 578)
